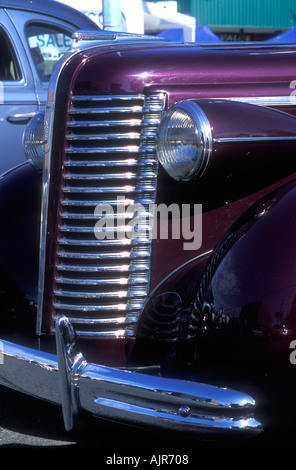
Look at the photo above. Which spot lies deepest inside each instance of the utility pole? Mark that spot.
(112, 15)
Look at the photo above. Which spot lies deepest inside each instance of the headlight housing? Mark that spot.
(34, 138)
(184, 141)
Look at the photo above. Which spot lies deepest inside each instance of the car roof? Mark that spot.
(52, 8)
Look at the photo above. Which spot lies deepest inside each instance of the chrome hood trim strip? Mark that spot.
(267, 101)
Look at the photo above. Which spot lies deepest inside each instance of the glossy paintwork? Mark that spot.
(246, 317)
(118, 70)
(250, 292)
(254, 283)
(219, 71)
(20, 209)
(20, 201)
(223, 202)
(231, 119)
(231, 196)
(194, 72)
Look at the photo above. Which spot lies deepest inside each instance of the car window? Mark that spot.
(9, 68)
(47, 44)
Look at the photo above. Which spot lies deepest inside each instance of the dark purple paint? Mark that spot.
(218, 71)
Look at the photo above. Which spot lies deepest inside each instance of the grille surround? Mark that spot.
(101, 285)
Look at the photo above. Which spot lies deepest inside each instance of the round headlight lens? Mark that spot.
(184, 141)
(34, 140)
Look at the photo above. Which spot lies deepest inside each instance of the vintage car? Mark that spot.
(148, 245)
(33, 36)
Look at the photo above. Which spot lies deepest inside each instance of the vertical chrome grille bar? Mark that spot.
(102, 282)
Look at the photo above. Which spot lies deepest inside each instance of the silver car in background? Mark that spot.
(33, 36)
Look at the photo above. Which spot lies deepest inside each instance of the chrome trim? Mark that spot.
(103, 163)
(203, 135)
(89, 36)
(20, 118)
(116, 254)
(266, 101)
(96, 174)
(98, 177)
(254, 139)
(81, 42)
(150, 402)
(110, 242)
(104, 98)
(94, 203)
(129, 135)
(140, 278)
(94, 150)
(260, 100)
(124, 110)
(114, 268)
(30, 371)
(99, 190)
(115, 123)
(46, 178)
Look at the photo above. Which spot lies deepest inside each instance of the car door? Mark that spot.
(18, 100)
(46, 39)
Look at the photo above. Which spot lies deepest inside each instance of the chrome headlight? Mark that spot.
(34, 139)
(184, 141)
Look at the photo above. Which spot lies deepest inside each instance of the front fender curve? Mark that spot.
(20, 199)
(245, 305)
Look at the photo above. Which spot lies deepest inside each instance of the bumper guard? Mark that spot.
(157, 403)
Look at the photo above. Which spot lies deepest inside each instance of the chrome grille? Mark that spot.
(102, 282)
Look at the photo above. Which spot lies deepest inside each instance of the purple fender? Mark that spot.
(244, 314)
(20, 196)
(250, 280)
(241, 299)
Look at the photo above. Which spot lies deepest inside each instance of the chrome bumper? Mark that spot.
(123, 396)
